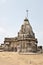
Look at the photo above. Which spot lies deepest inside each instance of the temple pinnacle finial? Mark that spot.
(27, 13)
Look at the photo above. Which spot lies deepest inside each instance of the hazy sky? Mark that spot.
(12, 14)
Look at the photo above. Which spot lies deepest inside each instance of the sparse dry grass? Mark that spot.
(12, 58)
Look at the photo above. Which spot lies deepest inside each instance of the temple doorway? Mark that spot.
(15, 49)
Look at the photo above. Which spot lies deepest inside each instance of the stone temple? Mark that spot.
(25, 40)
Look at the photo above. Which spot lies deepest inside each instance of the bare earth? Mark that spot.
(13, 58)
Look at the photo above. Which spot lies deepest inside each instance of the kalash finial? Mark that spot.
(26, 18)
(27, 13)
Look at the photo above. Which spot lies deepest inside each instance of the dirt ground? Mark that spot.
(13, 58)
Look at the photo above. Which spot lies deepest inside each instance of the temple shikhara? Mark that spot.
(25, 40)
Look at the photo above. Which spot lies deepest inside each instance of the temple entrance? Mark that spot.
(15, 49)
(12, 49)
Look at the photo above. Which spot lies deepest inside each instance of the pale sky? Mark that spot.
(12, 14)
